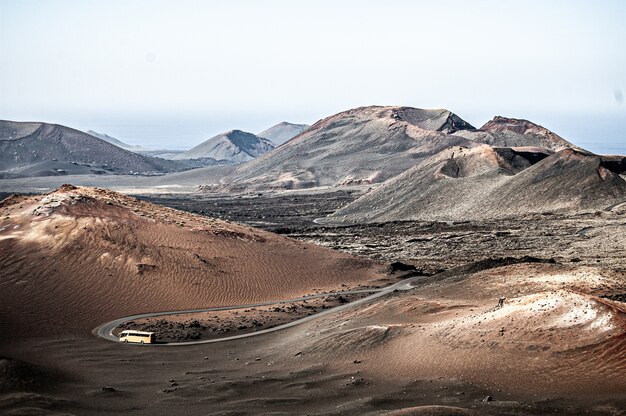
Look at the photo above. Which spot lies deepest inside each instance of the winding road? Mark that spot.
(105, 331)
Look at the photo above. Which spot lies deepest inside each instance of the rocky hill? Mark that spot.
(362, 145)
(25, 147)
(234, 146)
(486, 182)
(370, 145)
(283, 132)
(512, 132)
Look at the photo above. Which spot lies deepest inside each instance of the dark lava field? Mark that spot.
(582, 239)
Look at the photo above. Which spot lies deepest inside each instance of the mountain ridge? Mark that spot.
(371, 144)
(486, 182)
(29, 143)
(116, 142)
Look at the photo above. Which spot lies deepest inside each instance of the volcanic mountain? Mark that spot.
(77, 257)
(486, 182)
(512, 132)
(234, 146)
(372, 144)
(41, 149)
(283, 132)
(362, 145)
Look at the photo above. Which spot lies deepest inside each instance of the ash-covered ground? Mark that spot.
(582, 239)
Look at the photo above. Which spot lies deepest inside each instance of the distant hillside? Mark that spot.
(486, 182)
(363, 145)
(512, 132)
(41, 149)
(283, 132)
(369, 145)
(160, 153)
(234, 146)
(114, 141)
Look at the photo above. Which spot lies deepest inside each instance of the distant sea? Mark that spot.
(601, 134)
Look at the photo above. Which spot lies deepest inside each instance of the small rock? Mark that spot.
(488, 399)
(108, 389)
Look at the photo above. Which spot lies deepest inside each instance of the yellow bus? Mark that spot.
(139, 337)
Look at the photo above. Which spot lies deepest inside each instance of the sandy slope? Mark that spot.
(556, 344)
(78, 257)
(555, 333)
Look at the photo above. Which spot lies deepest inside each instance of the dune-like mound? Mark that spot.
(486, 182)
(77, 257)
(233, 146)
(362, 145)
(512, 132)
(23, 145)
(526, 327)
(557, 320)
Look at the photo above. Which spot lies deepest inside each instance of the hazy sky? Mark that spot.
(177, 72)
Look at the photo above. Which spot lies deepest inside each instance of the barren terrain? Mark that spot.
(74, 248)
(588, 238)
(555, 344)
(516, 304)
(218, 324)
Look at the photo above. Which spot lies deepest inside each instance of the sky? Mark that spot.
(174, 73)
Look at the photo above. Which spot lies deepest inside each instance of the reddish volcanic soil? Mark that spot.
(557, 333)
(78, 257)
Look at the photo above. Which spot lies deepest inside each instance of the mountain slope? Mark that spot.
(486, 182)
(26, 144)
(369, 145)
(158, 153)
(283, 132)
(114, 141)
(77, 257)
(551, 317)
(512, 132)
(362, 145)
(234, 146)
